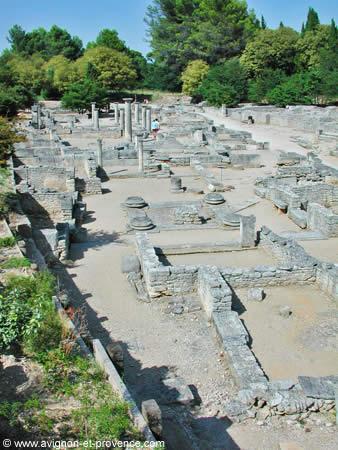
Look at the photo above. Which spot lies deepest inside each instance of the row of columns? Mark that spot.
(123, 117)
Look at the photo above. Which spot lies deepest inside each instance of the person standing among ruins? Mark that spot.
(155, 127)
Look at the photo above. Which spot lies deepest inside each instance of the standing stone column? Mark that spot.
(99, 153)
(38, 115)
(93, 109)
(140, 155)
(122, 121)
(137, 112)
(96, 122)
(248, 231)
(116, 113)
(148, 120)
(144, 116)
(128, 123)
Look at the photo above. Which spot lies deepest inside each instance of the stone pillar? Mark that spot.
(128, 132)
(140, 155)
(111, 106)
(99, 153)
(176, 184)
(122, 121)
(96, 122)
(148, 120)
(137, 112)
(144, 116)
(38, 115)
(248, 231)
(93, 109)
(116, 111)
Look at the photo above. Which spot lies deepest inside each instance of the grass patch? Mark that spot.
(28, 318)
(15, 262)
(8, 241)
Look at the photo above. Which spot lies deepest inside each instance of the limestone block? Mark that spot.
(256, 294)
(153, 416)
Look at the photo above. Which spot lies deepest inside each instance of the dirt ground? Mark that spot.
(307, 340)
(158, 344)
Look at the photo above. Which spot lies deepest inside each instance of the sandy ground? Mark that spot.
(326, 250)
(307, 340)
(158, 344)
(246, 258)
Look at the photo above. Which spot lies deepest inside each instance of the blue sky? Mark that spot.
(86, 18)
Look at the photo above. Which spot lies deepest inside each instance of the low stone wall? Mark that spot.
(322, 219)
(163, 280)
(216, 299)
(215, 294)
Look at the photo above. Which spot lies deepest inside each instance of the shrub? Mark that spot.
(301, 88)
(27, 313)
(193, 76)
(224, 84)
(268, 80)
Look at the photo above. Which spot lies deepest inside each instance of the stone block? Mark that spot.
(285, 311)
(256, 294)
(177, 391)
(153, 416)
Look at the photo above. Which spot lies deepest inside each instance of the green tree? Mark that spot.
(13, 98)
(300, 88)
(310, 45)
(28, 71)
(185, 30)
(263, 23)
(275, 49)
(312, 20)
(56, 41)
(114, 69)
(79, 95)
(60, 72)
(224, 84)
(8, 137)
(108, 38)
(266, 81)
(193, 76)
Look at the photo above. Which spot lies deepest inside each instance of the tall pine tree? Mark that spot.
(263, 23)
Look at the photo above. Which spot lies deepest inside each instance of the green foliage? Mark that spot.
(110, 39)
(274, 49)
(8, 137)
(312, 20)
(15, 262)
(193, 76)
(47, 44)
(263, 23)
(60, 73)
(301, 88)
(114, 69)
(8, 241)
(260, 86)
(224, 84)
(79, 95)
(27, 313)
(311, 44)
(185, 30)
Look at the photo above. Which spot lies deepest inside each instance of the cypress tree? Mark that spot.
(263, 23)
(312, 20)
(281, 25)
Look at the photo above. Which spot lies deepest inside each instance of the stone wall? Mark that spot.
(322, 219)
(163, 280)
(47, 177)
